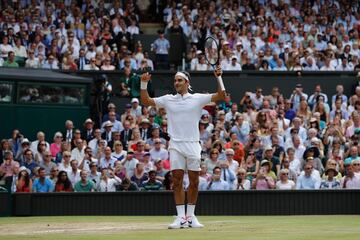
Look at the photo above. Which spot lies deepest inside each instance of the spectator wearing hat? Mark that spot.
(145, 129)
(135, 108)
(116, 125)
(196, 59)
(25, 145)
(107, 131)
(284, 183)
(24, 182)
(275, 162)
(314, 153)
(161, 48)
(265, 177)
(88, 131)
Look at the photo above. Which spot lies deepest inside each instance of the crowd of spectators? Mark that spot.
(305, 141)
(307, 35)
(270, 34)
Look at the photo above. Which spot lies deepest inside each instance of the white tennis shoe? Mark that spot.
(179, 222)
(193, 222)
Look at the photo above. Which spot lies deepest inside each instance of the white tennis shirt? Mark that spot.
(183, 114)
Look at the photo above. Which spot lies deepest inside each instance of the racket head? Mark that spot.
(212, 51)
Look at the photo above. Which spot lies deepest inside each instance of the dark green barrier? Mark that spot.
(273, 202)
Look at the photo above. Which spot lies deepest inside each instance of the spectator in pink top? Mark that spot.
(56, 145)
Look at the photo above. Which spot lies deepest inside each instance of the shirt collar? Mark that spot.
(185, 96)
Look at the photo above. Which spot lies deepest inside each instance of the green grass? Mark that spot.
(216, 227)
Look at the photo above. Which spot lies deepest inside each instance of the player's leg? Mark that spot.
(193, 165)
(177, 163)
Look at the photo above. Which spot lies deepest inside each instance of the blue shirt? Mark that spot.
(47, 186)
(218, 185)
(307, 182)
(161, 46)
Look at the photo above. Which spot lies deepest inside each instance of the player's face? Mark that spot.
(180, 85)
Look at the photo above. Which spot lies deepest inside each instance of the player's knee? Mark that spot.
(194, 183)
(177, 184)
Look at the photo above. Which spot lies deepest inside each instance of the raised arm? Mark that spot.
(144, 95)
(220, 94)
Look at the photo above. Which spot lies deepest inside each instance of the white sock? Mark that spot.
(190, 210)
(180, 210)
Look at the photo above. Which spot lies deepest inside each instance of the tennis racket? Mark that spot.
(212, 56)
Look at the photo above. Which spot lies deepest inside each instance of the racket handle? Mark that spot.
(221, 83)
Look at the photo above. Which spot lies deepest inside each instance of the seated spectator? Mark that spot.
(307, 180)
(217, 183)
(139, 175)
(108, 181)
(63, 183)
(350, 180)
(85, 184)
(242, 182)
(284, 183)
(152, 184)
(47, 163)
(7, 169)
(265, 177)
(74, 174)
(127, 185)
(10, 62)
(42, 183)
(24, 182)
(330, 182)
(130, 163)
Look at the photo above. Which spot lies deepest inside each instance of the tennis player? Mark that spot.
(183, 113)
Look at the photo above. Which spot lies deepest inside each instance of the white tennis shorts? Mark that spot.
(185, 155)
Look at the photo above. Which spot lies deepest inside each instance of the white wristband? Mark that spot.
(221, 84)
(143, 85)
